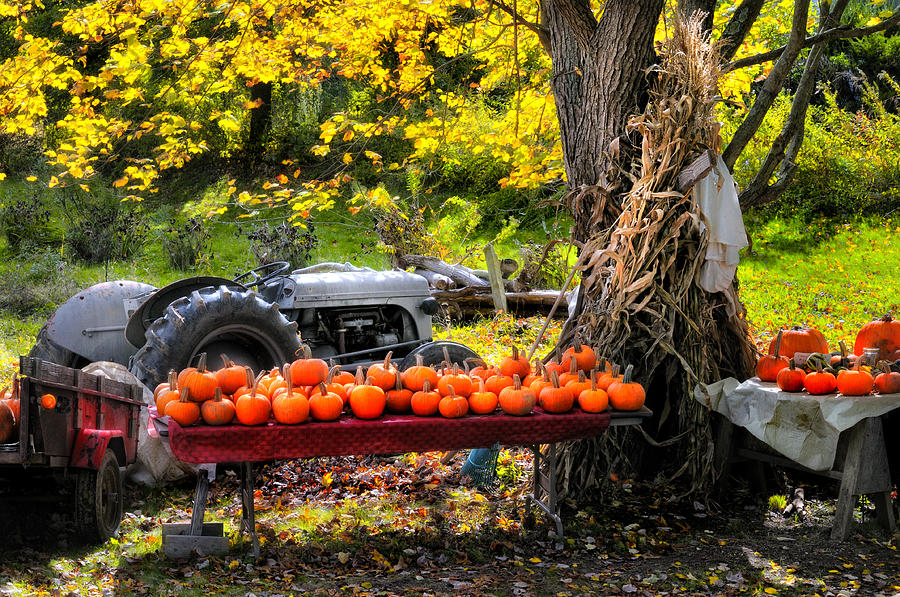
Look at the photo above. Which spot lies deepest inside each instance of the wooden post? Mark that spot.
(493, 268)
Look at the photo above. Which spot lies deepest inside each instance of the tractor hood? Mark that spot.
(352, 288)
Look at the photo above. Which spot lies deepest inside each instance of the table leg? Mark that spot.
(200, 495)
(866, 472)
(248, 512)
(544, 492)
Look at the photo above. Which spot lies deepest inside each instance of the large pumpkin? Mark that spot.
(883, 334)
(800, 339)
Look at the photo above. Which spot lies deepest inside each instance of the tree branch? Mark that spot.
(839, 32)
(771, 87)
(578, 16)
(542, 32)
(738, 27)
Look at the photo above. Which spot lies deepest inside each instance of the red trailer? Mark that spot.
(83, 440)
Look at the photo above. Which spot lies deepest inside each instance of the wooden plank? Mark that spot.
(496, 278)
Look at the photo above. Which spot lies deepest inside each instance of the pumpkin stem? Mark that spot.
(218, 396)
(778, 343)
(791, 363)
(517, 383)
(573, 365)
(201, 364)
(387, 361)
(331, 372)
(255, 381)
(581, 377)
(286, 374)
(843, 350)
(515, 352)
(626, 378)
(184, 395)
(360, 376)
(398, 384)
(446, 355)
(595, 373)
(452, 391)
(466, 368)
(577, 348)
(225, 361)
(322, 388)
(426, 387)
(173, 381)
(370, 381)
(420, 360)
(554, 379)
(481, 385)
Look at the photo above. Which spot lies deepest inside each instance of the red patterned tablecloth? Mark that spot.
(388, 435)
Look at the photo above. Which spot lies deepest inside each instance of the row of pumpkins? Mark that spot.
(309, 389)
(9, 413)
(860, 373)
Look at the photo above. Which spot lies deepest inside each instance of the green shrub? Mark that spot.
(38, 284)
(26, 223)
(105, 232)
(186, 242)
(283, 242)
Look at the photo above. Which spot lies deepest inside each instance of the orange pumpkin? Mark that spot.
(453, 406)
(769, 365)
(290, 407)
(252, 408)
(169, 394)
(184, 410)
(855, 382)
(398, 398)
(496, 383)
(570, 375)
(608, 378)
(579, 385)
(218, 411)
(425, 402)
(516, 400)
(800, 339)
(462, 383)
(593, 400)
(790, 379)
(331, 385)
(383, 375)
(557, 399)
(325, 405)
(367, 401)
(582, 354)
(482, 401)
(883, 334)
(820, 382)
(200, 383)
(415, 377)
(515, 364)
(307, 371)
(887, 382)
(230, 377)
(626, 394)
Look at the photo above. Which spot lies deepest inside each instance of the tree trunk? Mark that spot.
(260, 120)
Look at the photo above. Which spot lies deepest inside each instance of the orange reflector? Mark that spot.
(48, 401)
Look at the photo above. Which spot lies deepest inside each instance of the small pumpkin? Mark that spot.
(367, 401)
(516, 400)
(398, 398)
(482, 401)
(556, 398)
(7, 423)
(608, 378)
(515, 364)
(800, 339)
(855, 382)
(582, 354)
(790, 379)
(325, 405)
(462, 383)
(626, 394)
(577, 386)
(252, 408)
(230, 377)
(331, 385)
(883, 334)
(425, 402)
(290, 407)
(570, 375)
(820, 382)
(453, 406)
(887, 382)
(218, 411)
(384, 375)
(593, 400)
(307, 371)
(414, 378)
(496, 383)
(769, 365)
(184, 410)
(169, 394)
(200, 383)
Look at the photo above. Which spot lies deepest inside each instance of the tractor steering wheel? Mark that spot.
(277, 267)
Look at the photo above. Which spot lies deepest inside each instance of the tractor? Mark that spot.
(353, 317)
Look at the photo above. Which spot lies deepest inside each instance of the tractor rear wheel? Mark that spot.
(216, 321)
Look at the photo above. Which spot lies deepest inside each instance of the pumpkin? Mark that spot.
(415, 377)
(252, 408)
(159, 389)
(290, 407)
(593, 400)
(608, 378)
(820, 382)
(883, 334)
(482, 401)
(790, 379)
(515, 364)
(230, 377)
(800, 339)
(496, 383)
(383, 375)
(536, 372)
(570, 375)
(200, 383)
(557, 399)
(307, 371)
(769, 365)
(398, 398)
(169, 394)
(367, 401)
(554, 365)
(855, 382)
(887, 382)
(516, 400)
(538, 385)
(425, 402)
(579, 385)
(325, 405)
(625, 394)
(12, 400)
(249, 380)
(453, 406)
(184, 410)
(330, 385)
(7, 423)
(219, 410)
(462, 383)
(582, 354)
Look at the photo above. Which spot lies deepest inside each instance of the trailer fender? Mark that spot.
(91, 445)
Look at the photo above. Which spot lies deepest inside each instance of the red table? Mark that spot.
(390, 434)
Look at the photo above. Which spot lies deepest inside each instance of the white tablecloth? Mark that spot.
(802, 427)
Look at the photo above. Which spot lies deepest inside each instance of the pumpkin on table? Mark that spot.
(626, 394)
(883, 334)
(426, 402)
(462, 383)
(252, 408)
(384, 375)
(199, 382)
(593, 400)
(556, 398)
(367, 401)
(515, 399)
(184, 410)
(887, 382)
(7, 423)
(855, 382)
(325, 405)
(790, 379)
(769, 365)
(290, 407)
(398, 398)
(453, 406)
(230, 377)
(800, 339)
(307, 371)
(515, 364)
(414, 378)
(482, 401)
(820, 382)
(218, 411)
(582, 354)
(168, 394)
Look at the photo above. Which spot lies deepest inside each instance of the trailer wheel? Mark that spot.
(98, 500)
(242, 325)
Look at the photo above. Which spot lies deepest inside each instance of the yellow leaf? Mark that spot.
(2, 175)
(120, 182)
(229, 123)
(347, 158)
(31, 179)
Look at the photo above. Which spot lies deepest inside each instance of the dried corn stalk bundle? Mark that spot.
(641, 302)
